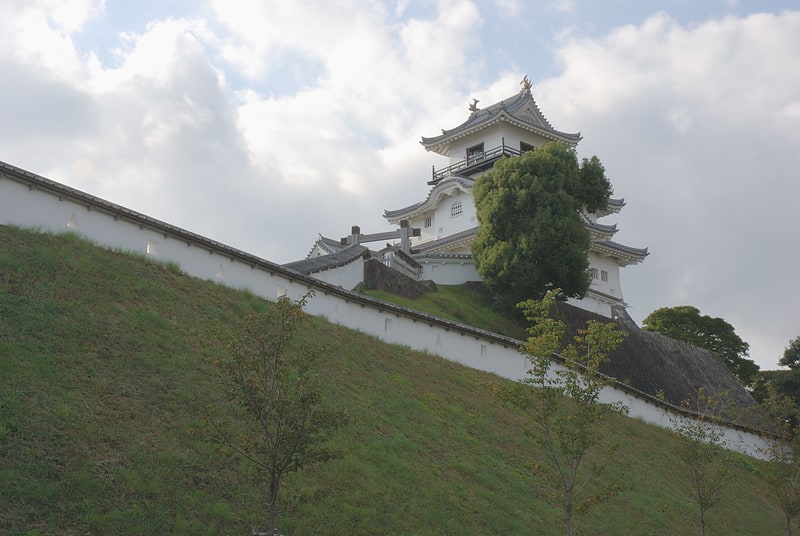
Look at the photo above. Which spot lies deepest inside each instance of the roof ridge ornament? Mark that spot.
(474, 106)
(526, 84)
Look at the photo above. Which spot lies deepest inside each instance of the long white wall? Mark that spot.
(27, 200)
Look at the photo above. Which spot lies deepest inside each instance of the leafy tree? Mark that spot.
(780, 414)
(791, 356)
(785, 382)
(685, 323)
(700, 447)
(276, 384)
(531, 236)
(563, 403)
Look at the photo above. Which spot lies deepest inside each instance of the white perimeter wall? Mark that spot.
(31, 201)
(449, 272)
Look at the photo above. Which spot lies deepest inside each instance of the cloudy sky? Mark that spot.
(263, 123)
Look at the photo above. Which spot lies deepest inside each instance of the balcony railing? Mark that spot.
(474, 162)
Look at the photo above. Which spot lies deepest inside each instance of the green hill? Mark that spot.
(106, 380)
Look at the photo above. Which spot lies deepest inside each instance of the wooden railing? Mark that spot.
(474, 161)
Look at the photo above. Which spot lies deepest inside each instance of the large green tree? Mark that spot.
(531, 237)
(685, 323)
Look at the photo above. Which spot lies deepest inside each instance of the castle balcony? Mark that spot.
(474, 162)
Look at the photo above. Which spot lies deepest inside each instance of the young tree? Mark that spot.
(780, 414)
(531, 236)
(685, 323)
(700, 447)
(564, 403)
(276, 384)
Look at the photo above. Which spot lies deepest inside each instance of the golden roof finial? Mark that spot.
(526, 84)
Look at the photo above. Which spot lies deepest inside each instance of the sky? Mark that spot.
(261, 123)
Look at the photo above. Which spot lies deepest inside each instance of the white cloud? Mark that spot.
(510, 8)
(698, 129)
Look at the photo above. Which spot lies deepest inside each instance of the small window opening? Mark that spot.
(456, 209)
(475, 153)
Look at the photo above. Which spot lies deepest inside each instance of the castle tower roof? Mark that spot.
(519, 110)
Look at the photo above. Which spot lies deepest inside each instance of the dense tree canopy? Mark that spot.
(791, 356)
(531, 237)
(685, 323)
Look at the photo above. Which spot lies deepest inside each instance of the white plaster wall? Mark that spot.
(492, 137)
(451, 272)
(26, 206)
(347, 276)
(444, 225)
(588, 303)
(612, 286)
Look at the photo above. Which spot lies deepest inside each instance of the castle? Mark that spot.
(435, 235)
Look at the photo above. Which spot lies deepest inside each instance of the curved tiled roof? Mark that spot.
(598, 229)
(613, 207)
(520, 110)
(625, 254)
(435, 245)
(433, 196)
(321, 263)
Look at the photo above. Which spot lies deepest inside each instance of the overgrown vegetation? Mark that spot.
(685, 323)
(106, 374)
(563, 404)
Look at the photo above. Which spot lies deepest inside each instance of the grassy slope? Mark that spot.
(105, 380)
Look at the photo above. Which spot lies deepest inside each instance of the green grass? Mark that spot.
(106, 381)
(459, 303)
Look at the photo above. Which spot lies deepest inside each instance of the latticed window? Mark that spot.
(603, 275)
(594, 273)
(428, 221)
(474, 153)
(456, 209)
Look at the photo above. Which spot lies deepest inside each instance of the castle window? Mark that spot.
(428, 221)
(594, 273)
(603, 276)
(456, 209)
(525, 147)
(474, 153)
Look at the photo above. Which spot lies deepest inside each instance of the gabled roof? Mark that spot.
(520, 110)
(326, 245)
(436, 193)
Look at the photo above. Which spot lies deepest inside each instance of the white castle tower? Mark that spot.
(447, 219)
